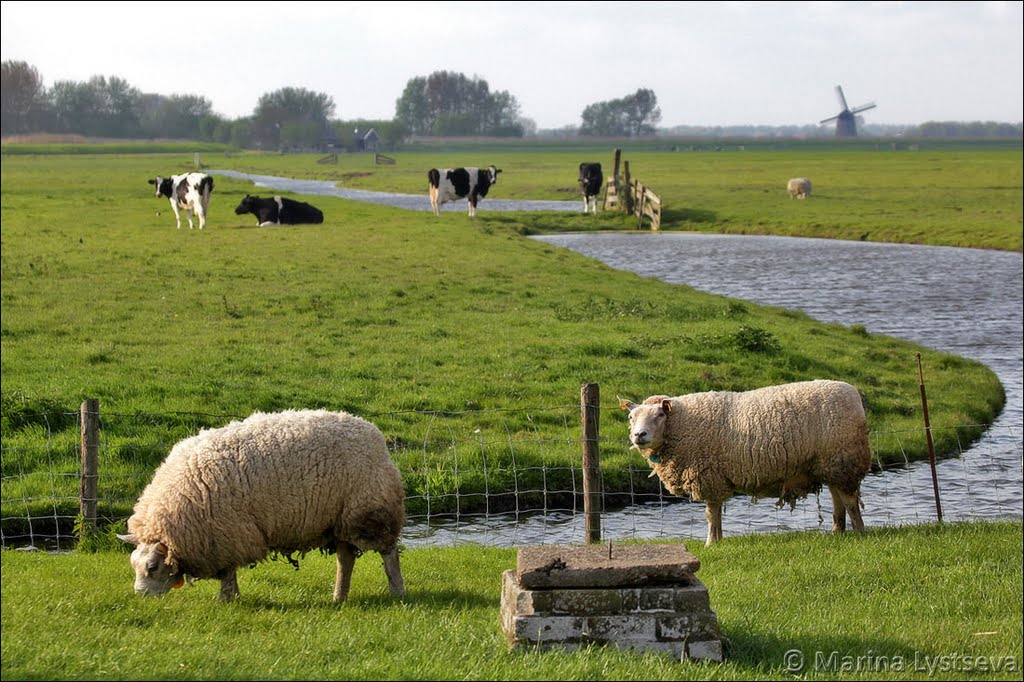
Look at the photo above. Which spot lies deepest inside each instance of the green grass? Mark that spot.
(947, 595)
(941, 194)
(462, 338)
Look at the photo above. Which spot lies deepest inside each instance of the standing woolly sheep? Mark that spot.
(783, 441)
(799, 188)
(284, 482)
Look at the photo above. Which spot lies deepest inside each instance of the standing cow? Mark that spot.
(451, 184)
(189, 191)
(280, 211)
(591, 180)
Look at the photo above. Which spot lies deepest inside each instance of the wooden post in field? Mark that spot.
(590, 402)
(90, 422)
(627, 189)
(931, 446)
(612, 188)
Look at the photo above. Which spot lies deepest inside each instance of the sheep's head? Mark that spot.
(647, 424)
(153, 574)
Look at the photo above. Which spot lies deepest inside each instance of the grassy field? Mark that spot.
(932, 193)
(927, 602)
(399, 316)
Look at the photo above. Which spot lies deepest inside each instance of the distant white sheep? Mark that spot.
(799, 188)
(284, 482)
(781, 441)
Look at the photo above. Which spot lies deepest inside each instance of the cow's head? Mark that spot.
(163, 186)
(248, 205)
(588, 171)
(492, 174)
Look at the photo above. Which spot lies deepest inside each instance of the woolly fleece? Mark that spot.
(783, 441)
(288, 481)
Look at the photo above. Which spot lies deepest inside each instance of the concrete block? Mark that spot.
(589, 566)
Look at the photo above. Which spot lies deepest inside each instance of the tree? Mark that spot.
(174, 116)
(449, 103)
(629, 116)
(99, 107)
(293, 117)
(25, 101)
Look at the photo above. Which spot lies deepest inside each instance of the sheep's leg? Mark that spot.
(853, 507)
(839, 506)
(394, 572)
(713, 512)
(228, 585)
(346, 561)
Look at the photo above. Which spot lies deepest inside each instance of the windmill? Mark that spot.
(846, 124)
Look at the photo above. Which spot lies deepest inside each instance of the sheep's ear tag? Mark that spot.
(656, 459)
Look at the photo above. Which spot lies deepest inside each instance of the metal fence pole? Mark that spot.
(931, 446)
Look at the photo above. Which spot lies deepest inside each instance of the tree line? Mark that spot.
(443, 103)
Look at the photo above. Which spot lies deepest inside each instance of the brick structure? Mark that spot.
(641, 597)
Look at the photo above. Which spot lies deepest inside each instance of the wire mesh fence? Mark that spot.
(497, 477)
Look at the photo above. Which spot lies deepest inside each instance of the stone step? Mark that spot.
(670, 618)
(592, 566)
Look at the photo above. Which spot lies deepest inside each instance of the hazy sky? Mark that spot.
(709, 63)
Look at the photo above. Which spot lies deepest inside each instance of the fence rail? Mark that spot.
(625, 193)
(497, 477)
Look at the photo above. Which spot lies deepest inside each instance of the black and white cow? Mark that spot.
(451, 184)
(591, 179)
(280, 211)
(188, 191)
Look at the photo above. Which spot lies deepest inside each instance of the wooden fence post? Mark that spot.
(90, 422)
(612, 187)
(627, 185)
(590, 402)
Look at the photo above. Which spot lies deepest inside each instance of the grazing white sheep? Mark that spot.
(799, 188)
(781, 441)
(283, 482)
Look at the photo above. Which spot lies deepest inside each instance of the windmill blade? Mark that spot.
(842, 98)
(863, 107)
(827, 120)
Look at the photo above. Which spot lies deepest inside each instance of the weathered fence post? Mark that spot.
(613, 189)
(931, 446)
(90, 422)
(627, 184)
(590, 402)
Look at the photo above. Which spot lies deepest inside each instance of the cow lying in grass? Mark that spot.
(280, 211)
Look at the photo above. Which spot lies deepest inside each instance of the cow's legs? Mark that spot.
(177, 214)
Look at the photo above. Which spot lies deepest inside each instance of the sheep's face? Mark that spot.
(153, 575)
(647, 424)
